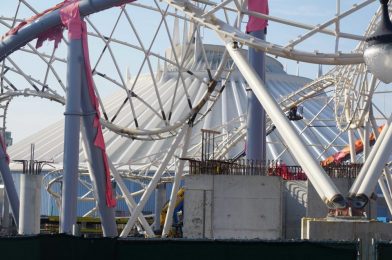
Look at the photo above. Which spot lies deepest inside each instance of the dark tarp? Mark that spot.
(56, 247)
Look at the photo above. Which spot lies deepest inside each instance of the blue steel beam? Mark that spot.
(256, 126)
(9, 185)
(71, 136)
(95, 160)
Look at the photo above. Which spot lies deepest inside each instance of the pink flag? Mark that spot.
(257, 24)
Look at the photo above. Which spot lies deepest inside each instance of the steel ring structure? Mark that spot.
(166, 109)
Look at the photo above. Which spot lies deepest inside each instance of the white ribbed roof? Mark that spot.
(227, 116)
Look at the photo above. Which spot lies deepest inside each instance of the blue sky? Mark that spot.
(28, 115)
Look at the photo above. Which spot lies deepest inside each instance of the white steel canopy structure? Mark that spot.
(227, 111)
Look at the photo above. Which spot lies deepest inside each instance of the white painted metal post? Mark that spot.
(176, 185)
(256, 121)
(71, 136)
(324, 186)
(153, 183)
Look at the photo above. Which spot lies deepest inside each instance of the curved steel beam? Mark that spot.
(48, 21)
(32, 93)
(229, 32)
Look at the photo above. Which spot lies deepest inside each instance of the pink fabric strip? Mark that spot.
(77, 29)
(55, 34)
(257, 24)
(70, 17)
(32, 19)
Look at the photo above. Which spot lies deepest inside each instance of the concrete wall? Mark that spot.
(366, 231)
(198, 206)
(295, 202)
(252, 206)
(241, 207)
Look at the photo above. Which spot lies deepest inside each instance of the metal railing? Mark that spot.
(343, 170)
(269, 168)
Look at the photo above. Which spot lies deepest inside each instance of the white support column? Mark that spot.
(129, 199)
(386, 172)
(351, 140)
(370, 160)
(367, 181)
(197, 46)
(324, 186)
(366, 142)
(131, 204)
(225, 119)
(385, 187)
(176, 185)
(377, 163)
(238, 107)
(385, 192)
(388, 177)
(153, 183)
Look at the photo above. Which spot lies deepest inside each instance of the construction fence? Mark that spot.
(67, 247)
(383, 250)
